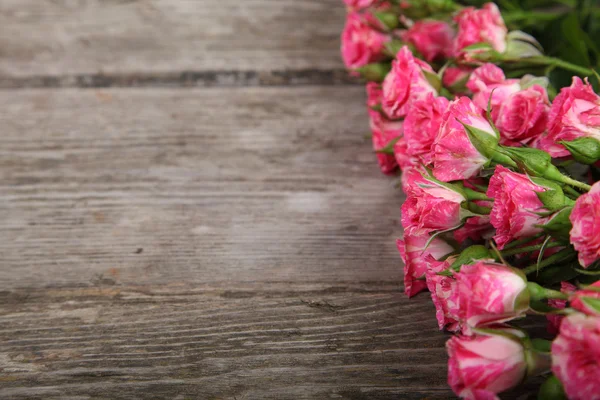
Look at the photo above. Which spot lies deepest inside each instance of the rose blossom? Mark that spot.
(374, 94)
(489, 81)
(585, 218)
(359, 4)
(383, 132)
(516, 204)
(443, 294)
(575, 113)
(454, 157)
(405, 83)
(490, 293)
(414, 255)
(524, 114)
(411, 179)
(403, 159)
(576, 356)
(587, 300)
(483, 365)
(433, 39)
(432, 208)
(554, 320)
(483, 25)
(422, 125)
(361, 44)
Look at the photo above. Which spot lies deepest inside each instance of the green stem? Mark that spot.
(527, 249)
(563, 255)
(576, 183)
(538, 292)
(513, 16)
(475, 195)
(523, 241)
(555, 62)
(478, 209)
(572, 191)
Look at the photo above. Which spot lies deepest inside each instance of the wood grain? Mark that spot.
(64, 39)
(286, 342)
(198, 186)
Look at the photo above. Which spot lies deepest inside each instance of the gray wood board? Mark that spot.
(70, 40)
(139, 186)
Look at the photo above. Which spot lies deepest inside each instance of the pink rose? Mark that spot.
(374, 95)
(411, 179)
(403, 158)
(405, 83)
(361, 44)
(576, 357)
(422, 125)
(489, 81)
(454, 157)
(554, 320)
(490, 293)
(585, 218)
(483, 365)
(359, 4)
(587, 300)
(433, 39)
(575, 113)
(516, 206)
(524, 114)
(414, 255)
(432, 208)
(443, 294)
(383, 132)
(480, 26)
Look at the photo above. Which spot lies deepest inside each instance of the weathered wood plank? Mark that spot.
(196, 186)
(134, 342)
(52, 38)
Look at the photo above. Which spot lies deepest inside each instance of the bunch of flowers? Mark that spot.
(496, 224)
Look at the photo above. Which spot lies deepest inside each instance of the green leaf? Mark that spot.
(572, 32)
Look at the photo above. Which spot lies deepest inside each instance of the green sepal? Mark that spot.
(585, 150)
(529, 80)
(434, 80)
(559, 225)
(591, 303)
(393, 47)
(375, 72)
(389, 148)
(484, 142)
(388, 20)
(552, 389)
(469, 255)
(521, 45)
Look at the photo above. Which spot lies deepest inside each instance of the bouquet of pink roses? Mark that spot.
(499, 165)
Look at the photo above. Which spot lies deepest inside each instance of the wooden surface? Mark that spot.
(221, 232)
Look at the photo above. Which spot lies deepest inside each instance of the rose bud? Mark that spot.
(587, 300)
(576, 356)
(523, 115)
(433, 208)
(493, 361)
(383, 132)
(490, 293)
(361, 44)
(483, 25)
(554, 320)
(422, 125)
(454, 156)
(575, 113)
(585, 218)
(443, 294)
(516, 206)
(488, 81)
(433, 39)
(411, 179)
(405, 83)
(414, 255)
